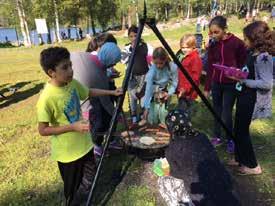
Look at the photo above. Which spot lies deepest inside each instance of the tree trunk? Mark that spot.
(25, 22)
(129, 17)
(123, 21)
(88, 25)
(225, 7)
(137, 19)
(40, 39)
(49, 41)
(166, 13)
(92, 22)
(188, 11)
(57, 31)
(236, 7)
(22, 25)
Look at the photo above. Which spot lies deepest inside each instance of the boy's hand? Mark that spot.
(117, 92)
(81, 126)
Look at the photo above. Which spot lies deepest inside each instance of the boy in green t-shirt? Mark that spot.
(59, 116)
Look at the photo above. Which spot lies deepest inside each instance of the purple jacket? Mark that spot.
(229, 52)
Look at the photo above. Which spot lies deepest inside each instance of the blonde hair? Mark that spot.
(189, 40)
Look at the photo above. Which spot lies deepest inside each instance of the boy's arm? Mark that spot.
(102, 92)
(45, 130)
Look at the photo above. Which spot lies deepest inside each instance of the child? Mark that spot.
(59, 116)
(92, 73)
(194, 160)
(255, 93)
(193, 64)
(161, 83)
(140, 68)
(227, 50)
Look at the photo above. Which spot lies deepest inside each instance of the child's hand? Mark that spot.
(118, 92)
(233, 78)
(181, 93)
(81, 126)
(206, 94)
(165, 96)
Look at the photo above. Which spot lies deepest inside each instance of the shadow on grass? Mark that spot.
(115, 168)
(29, 197)
(17, 86)
(22, 95)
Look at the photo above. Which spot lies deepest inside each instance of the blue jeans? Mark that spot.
(224, 97)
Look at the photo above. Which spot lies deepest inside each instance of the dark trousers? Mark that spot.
(224, 96)
(185, 105)
(100, 121)
(78, 177)
(244, 152)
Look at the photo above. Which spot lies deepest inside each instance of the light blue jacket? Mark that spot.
(166, 77)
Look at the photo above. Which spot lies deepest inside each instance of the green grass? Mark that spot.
(29, 177)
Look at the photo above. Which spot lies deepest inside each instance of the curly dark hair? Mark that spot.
(261, 37)
(52, 56)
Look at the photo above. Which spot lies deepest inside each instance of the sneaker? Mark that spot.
(230, 147)
(98, 150)
(115, 145)
(216, 141)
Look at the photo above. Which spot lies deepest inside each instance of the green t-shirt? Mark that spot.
(61, 106)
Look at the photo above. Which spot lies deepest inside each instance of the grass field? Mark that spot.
(29, 177)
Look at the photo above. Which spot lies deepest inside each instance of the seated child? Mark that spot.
(193, 159)
(59, 116)
(191, 61)
(161, 82)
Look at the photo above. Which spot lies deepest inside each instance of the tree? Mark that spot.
(106, 12)
(57, 32)
(23, 23)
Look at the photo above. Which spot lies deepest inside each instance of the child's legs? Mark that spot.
(96, 121)
(72, 176)
(131, 91)
(100, 121)
(244, 111)
(88, 172)
(229, 97)
(68, 173)
(133, 103)
(217, 104)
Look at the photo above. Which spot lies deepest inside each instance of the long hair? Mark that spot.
(160, 53)
(261, 37)
(98, 40)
